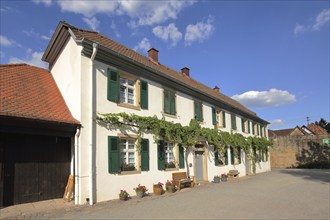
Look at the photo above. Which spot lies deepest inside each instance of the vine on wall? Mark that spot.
(185, 135)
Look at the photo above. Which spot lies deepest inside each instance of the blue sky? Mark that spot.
(272, 56)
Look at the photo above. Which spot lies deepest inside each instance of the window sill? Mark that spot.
(171, 169)
(125, 105)
(169, 115)
(129, 172)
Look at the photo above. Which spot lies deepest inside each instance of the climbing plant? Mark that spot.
(186, 135)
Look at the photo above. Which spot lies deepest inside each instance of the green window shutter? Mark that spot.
(249, 127)
(266, 154)
(243, 125)
(252, 128)
(143, 94)
(113, 85)
(181, 156)
(216, 158)
(233, 122)
(214, 116)
(198, 111)
(113, 154)
(167, 106)
(144, 154)
(226, 156)
(223, 119)
(172, 103)
(161, 155)
(239, 155)
(195, 110)
(232, 156)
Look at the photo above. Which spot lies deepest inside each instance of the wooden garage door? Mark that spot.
(35, 167)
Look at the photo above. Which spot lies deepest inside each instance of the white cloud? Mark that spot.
(199, 32)
(93, 23)
(113, 26)
(45, 2)
(33, 58)
(144, 45)
(32, 33)
(276, 122)
(273, 97)
(170, 32)
(4, 41)
(321, 19)
(141, 12)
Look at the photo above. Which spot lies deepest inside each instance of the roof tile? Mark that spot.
(31, 92)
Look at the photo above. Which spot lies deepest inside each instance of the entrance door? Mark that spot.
(35, 167)
(199, 166)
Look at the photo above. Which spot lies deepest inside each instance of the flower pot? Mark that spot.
(123, 198)
(170, 189)
(216, 180)
(139, 194)
(223, 179)
(158, 190)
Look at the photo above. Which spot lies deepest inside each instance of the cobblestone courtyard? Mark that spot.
(280, 194)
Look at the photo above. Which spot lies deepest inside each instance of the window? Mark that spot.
(127, 88)
(127, 154)
(244, 125)
(122, 155)
(233, 122)
(169, 156)
(169, 102)
(198, 107)
(220, 159)
(238, 158)
(124, 89)
(220, 118)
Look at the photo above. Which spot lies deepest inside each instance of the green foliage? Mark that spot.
(185, 135)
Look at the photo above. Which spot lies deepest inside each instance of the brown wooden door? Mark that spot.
(36, 167)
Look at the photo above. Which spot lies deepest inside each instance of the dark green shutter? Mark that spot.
(216, 158)
(243, 125)
(172, 103)
(223, 119)
(233, 122)
(143, 94)
(239, 155)
(195, 110)
(214, 116)
(144, 154)
(249, 127)
(252, 128)
(181, 156)
(232, 156)
(166, 101)
(161, 155)
(198, 111)
(266, 154)
(113, 85)
(226, 156)
(113, 154)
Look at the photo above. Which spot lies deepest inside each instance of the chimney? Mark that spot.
(153, 54)
(216, 88)
(185, 71)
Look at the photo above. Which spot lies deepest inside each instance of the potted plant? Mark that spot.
(224, 177)
(216, 179)
(127, 167)
(158, 188)
(170, 164)
(123, 195)
(170, 186)
(140, 191)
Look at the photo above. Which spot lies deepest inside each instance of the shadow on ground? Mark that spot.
(321, 175)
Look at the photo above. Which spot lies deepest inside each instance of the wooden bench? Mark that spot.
(232, 174)
(181, 179)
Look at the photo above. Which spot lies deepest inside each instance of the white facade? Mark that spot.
(83, 83)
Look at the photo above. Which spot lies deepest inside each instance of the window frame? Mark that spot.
(127, 151)
(127, 87)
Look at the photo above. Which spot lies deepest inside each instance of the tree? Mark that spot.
(324, 124)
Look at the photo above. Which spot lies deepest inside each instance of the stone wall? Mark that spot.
(299, 151)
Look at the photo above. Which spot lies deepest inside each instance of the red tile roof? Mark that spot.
(318, 130)
(30, 92)
(282, 132)
(127, 52)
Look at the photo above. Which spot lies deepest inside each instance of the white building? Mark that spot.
(98, 75)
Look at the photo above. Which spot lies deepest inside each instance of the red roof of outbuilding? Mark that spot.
(318, 130)
(30, 92)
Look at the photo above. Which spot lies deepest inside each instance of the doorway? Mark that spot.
(199, 166)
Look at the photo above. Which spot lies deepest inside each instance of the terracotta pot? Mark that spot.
(158, 191)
